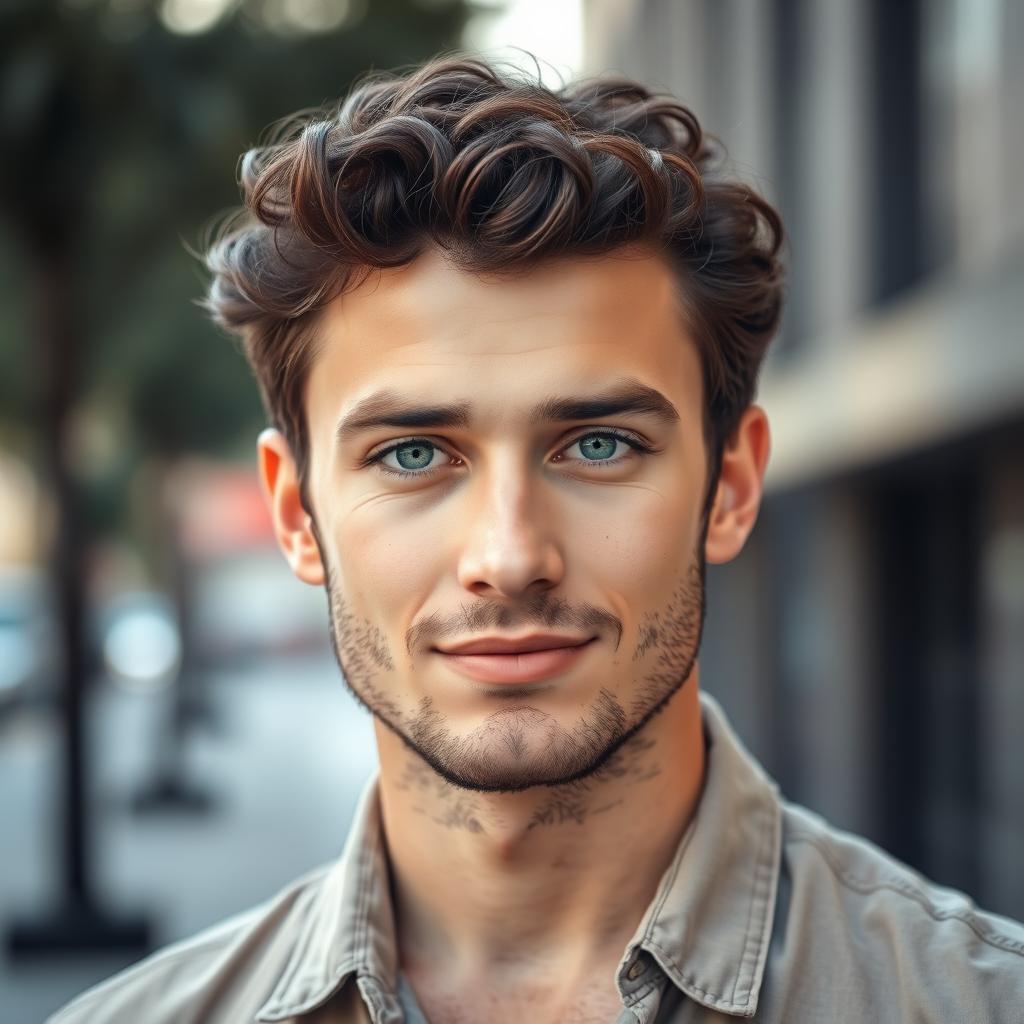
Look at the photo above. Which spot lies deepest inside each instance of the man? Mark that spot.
(509, 342)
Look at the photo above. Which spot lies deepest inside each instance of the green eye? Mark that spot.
(414, 454)
(414, 457)
(598, 447)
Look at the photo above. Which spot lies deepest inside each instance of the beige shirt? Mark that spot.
(766, 912)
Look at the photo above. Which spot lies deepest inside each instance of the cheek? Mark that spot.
(636, 542)
(387, 561)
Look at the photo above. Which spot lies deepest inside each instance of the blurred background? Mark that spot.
(166, 685)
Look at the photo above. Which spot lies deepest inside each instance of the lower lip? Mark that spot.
(529, 667)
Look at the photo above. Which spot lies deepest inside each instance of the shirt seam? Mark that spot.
(281, 997)
(718, 1001)
(355, 962)
(670, 882)
(911, 892)
(365, 875)
(288, 978)
(750, 946)
(310, 1003)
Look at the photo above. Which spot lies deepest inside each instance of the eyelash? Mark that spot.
(640, 449)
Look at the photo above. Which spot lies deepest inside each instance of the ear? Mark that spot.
(740, 486)
(292, 523)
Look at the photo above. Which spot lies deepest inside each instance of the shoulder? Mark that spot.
(900, 943)
(233, 965)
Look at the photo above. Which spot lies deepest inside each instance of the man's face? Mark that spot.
(517, 517)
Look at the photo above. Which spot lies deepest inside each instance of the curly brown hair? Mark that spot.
(502, 173)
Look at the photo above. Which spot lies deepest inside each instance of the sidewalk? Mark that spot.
(286, 761)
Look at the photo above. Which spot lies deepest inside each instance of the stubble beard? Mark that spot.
(521, 746)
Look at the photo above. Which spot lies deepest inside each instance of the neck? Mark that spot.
(555, 875)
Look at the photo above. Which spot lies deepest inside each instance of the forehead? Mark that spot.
(434, 331)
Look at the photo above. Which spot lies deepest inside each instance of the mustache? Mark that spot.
(541, 610)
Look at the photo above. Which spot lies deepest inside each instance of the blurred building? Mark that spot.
(869, 643)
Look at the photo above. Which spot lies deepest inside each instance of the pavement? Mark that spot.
(284, 757)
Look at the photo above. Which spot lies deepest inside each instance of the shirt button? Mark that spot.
(638, 968)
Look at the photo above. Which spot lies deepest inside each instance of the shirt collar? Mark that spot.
(349, 928)
(710, 922)
(708, 926)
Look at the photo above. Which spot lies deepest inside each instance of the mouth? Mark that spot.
(519, 666)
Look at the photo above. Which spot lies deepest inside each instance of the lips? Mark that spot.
(529, 665)
(518, 645)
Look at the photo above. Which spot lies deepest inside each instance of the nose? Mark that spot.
(510, 548)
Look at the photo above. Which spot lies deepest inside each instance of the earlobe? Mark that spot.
(292, 523)
(740, 487)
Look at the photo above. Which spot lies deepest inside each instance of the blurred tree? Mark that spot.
(121, 123)
(120, 139)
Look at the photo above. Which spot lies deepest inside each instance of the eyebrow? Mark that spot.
(386, 408)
